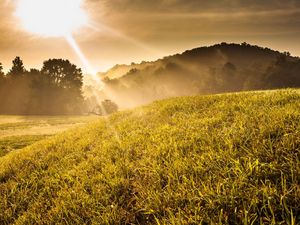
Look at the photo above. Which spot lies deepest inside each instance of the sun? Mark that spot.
(51, 18)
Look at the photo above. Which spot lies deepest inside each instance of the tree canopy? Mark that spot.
(55, 89)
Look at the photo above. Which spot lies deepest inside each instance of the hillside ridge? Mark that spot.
(120, 70)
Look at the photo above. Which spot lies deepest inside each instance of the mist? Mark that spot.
(207, 70)
(59, 87)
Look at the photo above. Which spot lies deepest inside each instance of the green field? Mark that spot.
(17, 132)
(223, 159)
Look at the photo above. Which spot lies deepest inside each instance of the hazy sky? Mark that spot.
(125, 31)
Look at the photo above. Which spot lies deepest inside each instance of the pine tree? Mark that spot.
(17, 69)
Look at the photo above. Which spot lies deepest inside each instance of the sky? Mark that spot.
(125, 31)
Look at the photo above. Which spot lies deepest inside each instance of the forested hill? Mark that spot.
(206, 70)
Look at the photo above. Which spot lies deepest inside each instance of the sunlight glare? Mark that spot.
(51, 18)
(79, 53)
(71, 41)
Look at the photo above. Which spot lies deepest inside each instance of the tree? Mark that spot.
(40, 96)
(63, 74)
(106, 107)
(1, 69)
(17, 69)
(109, 106)
(17, 89)
(56, 89)
(2, 77)
(245, 44)
(2, 85)
(64, 81)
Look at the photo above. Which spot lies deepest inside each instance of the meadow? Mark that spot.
(17, 132)
(221, 159)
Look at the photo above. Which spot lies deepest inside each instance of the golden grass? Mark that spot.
(225, 159)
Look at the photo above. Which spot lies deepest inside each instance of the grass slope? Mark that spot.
(224, 159)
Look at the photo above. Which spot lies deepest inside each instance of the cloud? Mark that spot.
(124, 6)
(156, 17)
(167, 26)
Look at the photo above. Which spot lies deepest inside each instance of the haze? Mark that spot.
(125, 31)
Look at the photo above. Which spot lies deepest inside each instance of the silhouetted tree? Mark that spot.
(2, 76)
(106, 107)
(16, 90)
(17, 69)
(246, 44)
(56, 89)
(1, 69)
(2, 85)
(109, 106)
(2, 81)
(62, 73)
(40, 93)
(64, 80)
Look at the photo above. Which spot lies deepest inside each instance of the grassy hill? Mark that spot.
(223, 159)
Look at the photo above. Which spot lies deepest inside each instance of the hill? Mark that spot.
(206, 70)
(245, 55)
(222, 159)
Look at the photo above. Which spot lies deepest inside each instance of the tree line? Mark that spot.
(55, 89)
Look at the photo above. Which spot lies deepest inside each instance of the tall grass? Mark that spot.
(224, 159)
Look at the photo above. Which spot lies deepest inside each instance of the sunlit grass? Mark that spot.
(225, 159)
(20, 131)
(9, 144)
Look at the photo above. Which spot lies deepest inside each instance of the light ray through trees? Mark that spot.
(93, 73)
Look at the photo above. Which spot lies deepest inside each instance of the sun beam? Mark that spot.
(56, 18)
(71, 41)
(51, 18)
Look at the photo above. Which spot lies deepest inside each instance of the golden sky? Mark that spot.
(125, 31)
